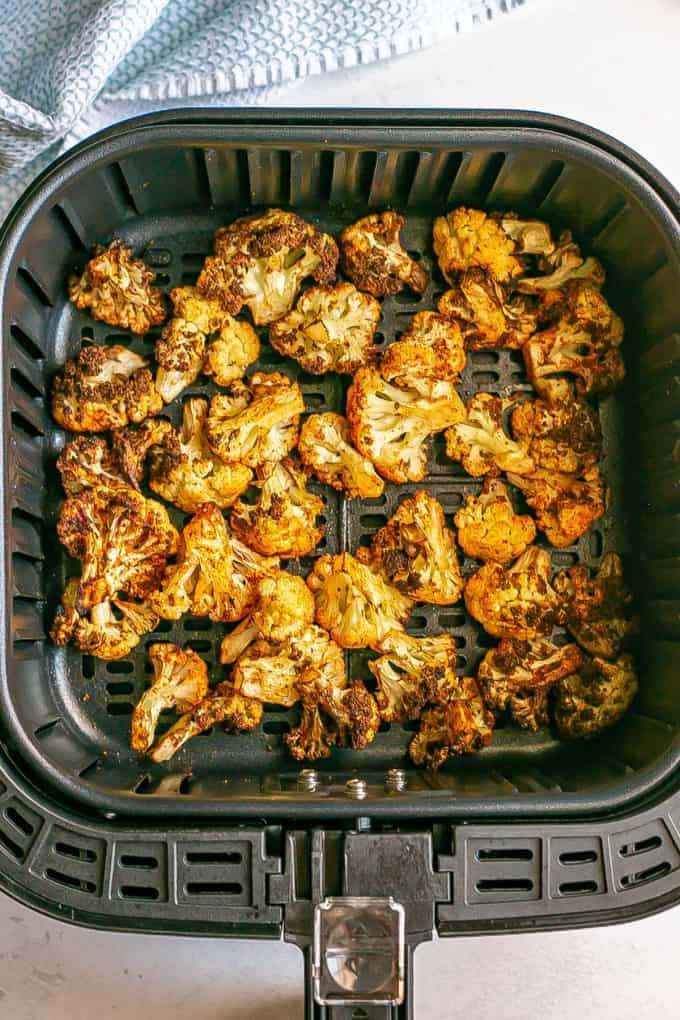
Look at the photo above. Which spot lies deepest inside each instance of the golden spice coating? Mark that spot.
(346, 717)
(87, 462)
(565, 506)
(223, 705)
(284, 607)
(392, 426)
(413, 672)
(489, 317)
(325, 448)
(283, 521)
(372, 256)
(517, 601)
(458, 727)
(416, 552)
(594, 698)
(428, 357)
(355, 605)
(480, 442)
(180, 681)
(207, 316)
(179, 351)
(101, 632)
(269, 671)
(596, 610)
(104, 388)
(561, 267)
(531, 237)
(489, 528)
(232, 351)
(258, 424)
(562, 437)
(260, 261)
(466, 238)
(118, 289)
(331, 329)
(517, 675)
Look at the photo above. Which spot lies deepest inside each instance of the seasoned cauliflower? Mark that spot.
(489, 528)
(269, 671)
(257, 425)
(331, 329)
(565, 505)
(562, 437)
(87, 462)
(101, 632)
(596, 609)
(355, 605)
(284, 607)
(458, 727)
(104, 388)
(412, 672)
(594, 698)
(516, 675)
(261, 260)
(207, 316)
(489, 318)
(561, 266)
(123, 540)
(480, 443)
(391, 426)
(330, 715)
(531, 237)
(416, 552)
(373, 258)
(466, 238)
(517, 601)
(231, 352)
(118, 289)
(428, 357)
(325, 447)
(180, 351)
(222, 705)
(131, 446)
(283, 522)
(180, 681)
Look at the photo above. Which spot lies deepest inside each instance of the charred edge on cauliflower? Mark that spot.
(458, 727)
(467, 238)
(565, 505)
(325, 448)
(480, 442)
(596, 610)
(428, 357)
(269, 671)
(118, 289)
(373, 258)
(413, 672)
(489, 529)
(516, 601)
(595, 698)
(132, 446)
(87, 462)
(565, 437)
(180, 681)
(347, 717)
(223, 705)
(180, 351)
(489, 318)
(101, 632)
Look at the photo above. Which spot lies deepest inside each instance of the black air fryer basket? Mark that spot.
(364, 857)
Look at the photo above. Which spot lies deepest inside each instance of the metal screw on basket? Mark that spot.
(308, 779)
(395, 780)
(356, 789)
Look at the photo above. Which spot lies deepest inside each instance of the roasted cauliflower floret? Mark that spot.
(180, 351)
(428, 357)
(131, 447)
(372, 256)
(355, 605)
(180, 681)
(223, 705)
(412, 672)
(104, 388)
(284, 607)
(269, 671)
(565, 505)
(331, 329)
(347, 717)
(87, 462)
(596, 610)
(207, 316)
(489, 318)
(594, 698)
(391, 426)
(480, 442)
(489, 528)
(466, 238)
(256, 425)
(517, 601)
(283, 522)
(516, 675)
(416, 552)
(123, 540)
(261, 260)
(560, 437)
(561, 266)
(118, 289)
(325, 447)
(231, 352)
(458, 727)
(101, 632)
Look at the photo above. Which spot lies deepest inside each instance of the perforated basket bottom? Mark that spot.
(97, 697)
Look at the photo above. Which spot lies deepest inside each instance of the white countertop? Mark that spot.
(613, 63)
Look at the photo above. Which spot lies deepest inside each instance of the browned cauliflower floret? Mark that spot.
(101, 632)
(284, 608)
(391, 426)
(516, 601)
(330, 715)
(428, 357)
(373, 258)
(561, 266)
(208, 316)
(257, 425)
(416, 552)
(231, 352)
(562, 437)
(180, 351)
(532, 237)
(331, 329)
(283, 522)
(480, 442)
(517, 675)
(355, 605)
(180, 681)
(223, 705)
(466, 238)
(596, 609)
(414, 671)
(104, 388)
(325, 447)
(86, 463)
(489, 528)
(594, 698)
(131, 446)
(565, 505)
(123, 540)
(261, 260)
(269, 671)
(118, 289)
(489, 318)
(458, 727)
